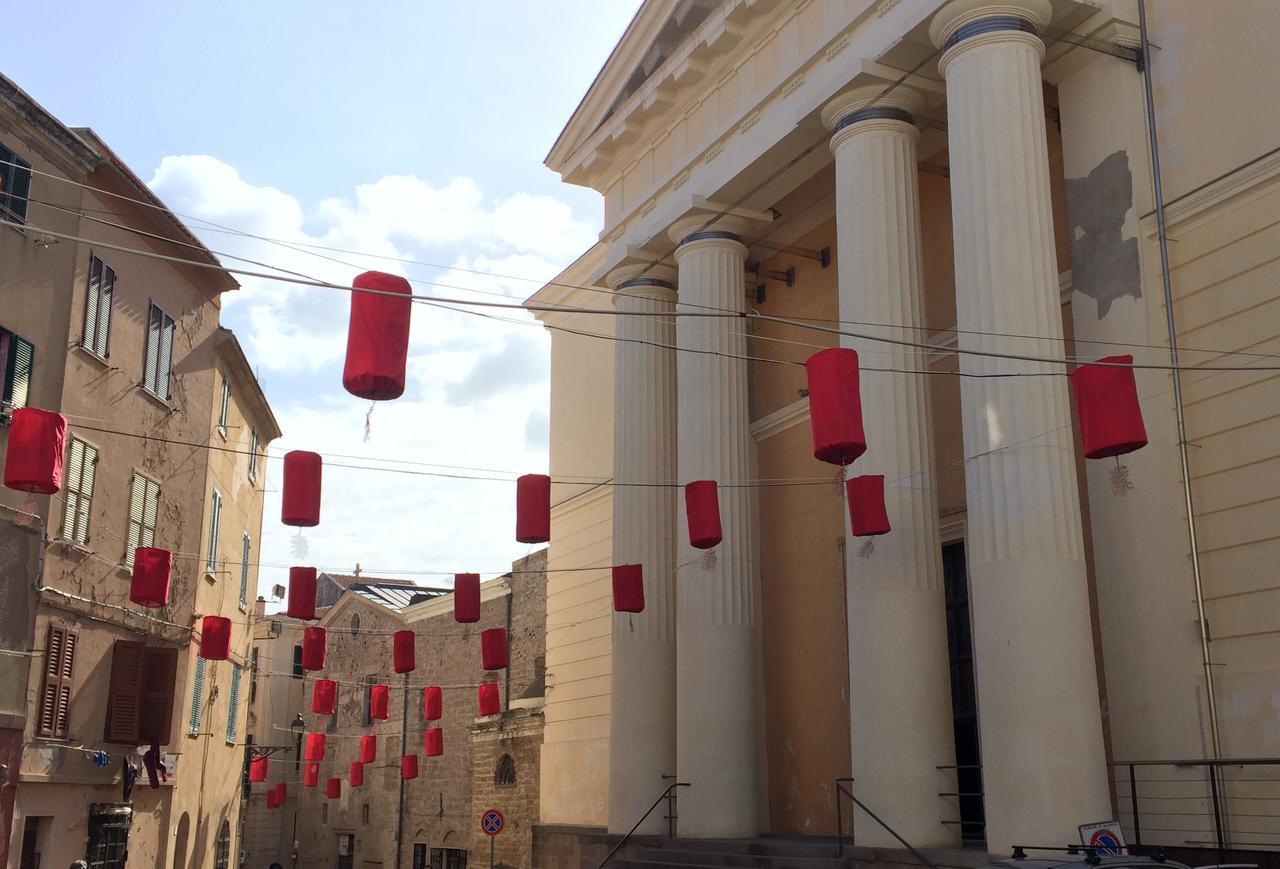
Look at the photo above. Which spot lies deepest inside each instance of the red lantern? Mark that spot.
(628, 588)
(215, 638)
(272, 802)
(280, 793)
(379, 701)
(315, 747)
(432, 703)
(489, 701)
(702, 509)
(409, 766)
(314, 640)
(1107, 405)
(356, 774)
(324, 696)
(302, 594)
(33, 459)
(466, 597)
(149, 585)
(402, 651)
(310, 774)
(867, 515)
(368, 748)
(333, 788)
(533, 508)
(493, 648)
(301, 498)
(433, 742)
(258, 769)
(378, 337)
(835, 405)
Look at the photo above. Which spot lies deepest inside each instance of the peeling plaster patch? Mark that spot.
(1104, 264)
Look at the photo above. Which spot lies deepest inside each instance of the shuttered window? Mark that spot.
(244, 570)
(297, 662)
(157, 366)
(233, 706)
(144, 499)
(82, 463)
(140, 694)
(197, 697)
(225, 407)
(15, 186)
(16, 356)
(215, 522)
(253, 675)
(97, 307)
(55, 695)
(159, 676)
(253, 455)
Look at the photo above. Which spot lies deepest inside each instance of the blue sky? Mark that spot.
(407, 129)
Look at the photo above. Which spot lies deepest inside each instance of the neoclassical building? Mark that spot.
(962, 192)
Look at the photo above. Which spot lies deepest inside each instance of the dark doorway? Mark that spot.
(448, 858)
(964, 701)
(108, 836)
(31, 843)
(346, 850)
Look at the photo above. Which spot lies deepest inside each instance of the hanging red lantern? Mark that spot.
(272, 802)
(314, 640)
(149, 584)
(215, 638)
(402, 651)
(433, 742)
(533, 508)
(33, 459)
(300, 503)
(379, 702)
(628, 588)
(258, 769)
(490, 702)
(466, 597)
(324, 696)
(835, 405)
(368, 748)
(1108, 409)
(310, 774)
(355, 775)
(432, 702)
(867, 514)
(378, 337)
(493, 648)
(315, 747)
(280, 793)
(333, 788)
(409, 766)
(702, 509)
(302, 594)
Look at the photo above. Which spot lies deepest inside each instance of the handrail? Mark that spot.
(667, 794)
(841, 789)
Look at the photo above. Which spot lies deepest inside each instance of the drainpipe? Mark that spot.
(1205, 654)
(506, 691)
(404, 749)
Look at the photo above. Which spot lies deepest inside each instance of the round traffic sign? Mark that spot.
(1106, 843)
(491, 822)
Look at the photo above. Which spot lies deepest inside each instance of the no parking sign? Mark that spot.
(1105, 837)
(491, 822)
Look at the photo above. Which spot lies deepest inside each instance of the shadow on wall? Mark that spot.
(180, 842)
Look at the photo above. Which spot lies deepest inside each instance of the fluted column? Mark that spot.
(717, 598)
(899, 676)
(1043, 762)
(642, 721)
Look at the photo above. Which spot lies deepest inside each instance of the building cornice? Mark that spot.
(1254, 179)
(791, 415)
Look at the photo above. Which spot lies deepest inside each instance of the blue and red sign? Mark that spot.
(1105, 838)
(491, 822)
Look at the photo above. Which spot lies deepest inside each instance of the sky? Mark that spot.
(413, 130)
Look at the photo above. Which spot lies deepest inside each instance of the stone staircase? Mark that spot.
(779, 853)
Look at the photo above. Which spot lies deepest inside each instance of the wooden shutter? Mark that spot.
(21, 356)
(105, 299)
(91, 298)
(253, 454)
(87, 473)
(71, 494)
(19, 188)
(124, 696)
(226, 404)
(164, 365)
(215, 520)
(160, 675)
(137, 504)
(233, 704)
(149, 365)
(244, 571)
(197, 697)
(55, 696)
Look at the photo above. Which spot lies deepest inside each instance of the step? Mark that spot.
(738, 858)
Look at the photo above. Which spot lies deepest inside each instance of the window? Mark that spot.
(233, 705)
(82, 464)
(15, 185)
(253, 675)
(197, 697)
(215, 520)
(355, 623)
(253, 455)
(369, 682)
(222, 847)
(59, 666)
(364, 814)
(16, 355)
(246, 786)
(224, 407)
(419, 855)
(505, 776)
(97, 307)
(158, 362)
(448, 858)
(324, 813)
(140, 693)
(297, 662)
(144, 499)
(245, 545)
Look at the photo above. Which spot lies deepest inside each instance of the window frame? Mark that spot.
(224, 409)
(151, 379)
(506, 764)
(222, 847)
(11, 345)
(10, 175)
(215, 528)
(58, 681)
(144, 538)
(297, 672)
(95, 336)
(81, 515)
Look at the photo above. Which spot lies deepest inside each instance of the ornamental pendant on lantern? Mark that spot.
(487, 698)
(378, 336)
(1110, 415)
(835, 405)
(493, 648)
(466, 597)
(33, 458)
(533, 508)
(149, 582)
(300, 501)
(215, 638)
(302, 594)
(628, 588)
(702, 510)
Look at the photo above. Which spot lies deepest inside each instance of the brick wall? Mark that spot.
(516, 734)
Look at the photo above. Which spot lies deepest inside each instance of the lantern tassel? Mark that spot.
(867, 548)
(1121, 484)
(368, 421)
(298, 545)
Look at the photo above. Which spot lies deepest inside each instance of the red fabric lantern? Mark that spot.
(490, 702)
(433, 742)
(628, 588)
(310, 774)
(533, 508)
(215, 638)
(379, 702)
(33, 459)
(314, 640)
(378, 337)
(324, 696)
(258, 769)
(867, 515)
(432, 703)
(302, 594)
(835, 405)
(149, 585)
(280, 793)
(402, 651)
(466, 597)
(1108, 408)
(333, 788)
(314, 750)
(355, 775)
(301, 499)
(702, 509)
(272, 802)
(493, 648)
(368, 748)
(409, 766)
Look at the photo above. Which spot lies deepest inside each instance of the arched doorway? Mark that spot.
(180, 842)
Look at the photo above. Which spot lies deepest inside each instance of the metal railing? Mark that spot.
(670, 796)
(972, 829)
(841, 790)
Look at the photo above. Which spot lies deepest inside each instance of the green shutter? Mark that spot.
(19, 189)
(22, 355)
(244, 572)
(226, 402)
(197, 697)
(233, 707)
(215, 520)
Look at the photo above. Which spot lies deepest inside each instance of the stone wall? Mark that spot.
(517, 735)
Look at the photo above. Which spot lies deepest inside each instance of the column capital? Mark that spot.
(869, 107)
(647, 280)
(708, 226)
(969, 23)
